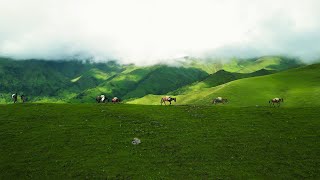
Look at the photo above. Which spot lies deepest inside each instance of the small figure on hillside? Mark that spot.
(14, 97)
(23, 98)
(115, 100)
(275, 101)
(102, 99)
(167, 98)
(219, 100)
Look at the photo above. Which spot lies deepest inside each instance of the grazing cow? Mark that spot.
(167, 98)
(275, 101)
(102, 99)
(115, 100)
(14, 97)
(23, 98)
(219, 100)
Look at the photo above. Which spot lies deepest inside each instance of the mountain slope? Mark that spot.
(81, 81)
(57, 80)
(118, 85)
(165, 79)
(218, 78)
(298, 87)
(137, 82)
(276, 63)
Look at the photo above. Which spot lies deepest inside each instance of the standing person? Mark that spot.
(14, 97)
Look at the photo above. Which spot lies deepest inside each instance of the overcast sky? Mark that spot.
(151, 31)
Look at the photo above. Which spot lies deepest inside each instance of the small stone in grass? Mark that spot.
(136, 141)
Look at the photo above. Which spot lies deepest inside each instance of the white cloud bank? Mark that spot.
(151, 31)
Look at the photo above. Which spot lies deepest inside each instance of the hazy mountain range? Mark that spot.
(82, 81)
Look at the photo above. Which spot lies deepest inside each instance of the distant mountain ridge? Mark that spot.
(81, 81)
(218, 78)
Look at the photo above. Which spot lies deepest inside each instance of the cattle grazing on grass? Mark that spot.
(219, 100)
(23, 98)
(115, 100)
(102, 99)
(167, 98)
(275, 101)
(14, 97)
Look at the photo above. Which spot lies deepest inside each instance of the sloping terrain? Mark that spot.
(81, 81)
(276, 63)
(298, 87)
(218, 78)
(273, 63)
(138, 82)
(54, 80)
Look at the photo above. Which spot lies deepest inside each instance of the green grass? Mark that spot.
(299, 87)
(93, 141)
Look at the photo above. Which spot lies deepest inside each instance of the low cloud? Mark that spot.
(150, 31)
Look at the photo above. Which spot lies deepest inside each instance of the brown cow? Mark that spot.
(275, 101)
(167, 98)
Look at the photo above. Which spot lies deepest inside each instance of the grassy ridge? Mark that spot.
(138, 82)
(51, 81)
(218, 78)
(267, 62)
(81, 81)
(94, 141)
(299, 87)
(250, 65)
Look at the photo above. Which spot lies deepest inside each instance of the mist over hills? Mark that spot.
(82, 81)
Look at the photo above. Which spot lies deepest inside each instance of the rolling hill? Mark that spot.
(218, 78)
(250, 65)
(51, 80)
(80, 81)
(139, 81)
(298, 87)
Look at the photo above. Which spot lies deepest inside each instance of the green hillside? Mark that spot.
(220, 77)
(277, 63)
(139, 81)
(274, 63)
(76, 81)
(118, 85)
(51, 80)
(93, 141)
(299, 87)
(81, 81)
(165, 79)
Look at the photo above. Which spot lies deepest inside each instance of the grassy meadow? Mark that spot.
(93, 141)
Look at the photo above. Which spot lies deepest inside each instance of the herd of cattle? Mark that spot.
(103, 99)
(221, 100)
(15, 98)
(163, 100)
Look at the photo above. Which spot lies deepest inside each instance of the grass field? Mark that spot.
(40, 141)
